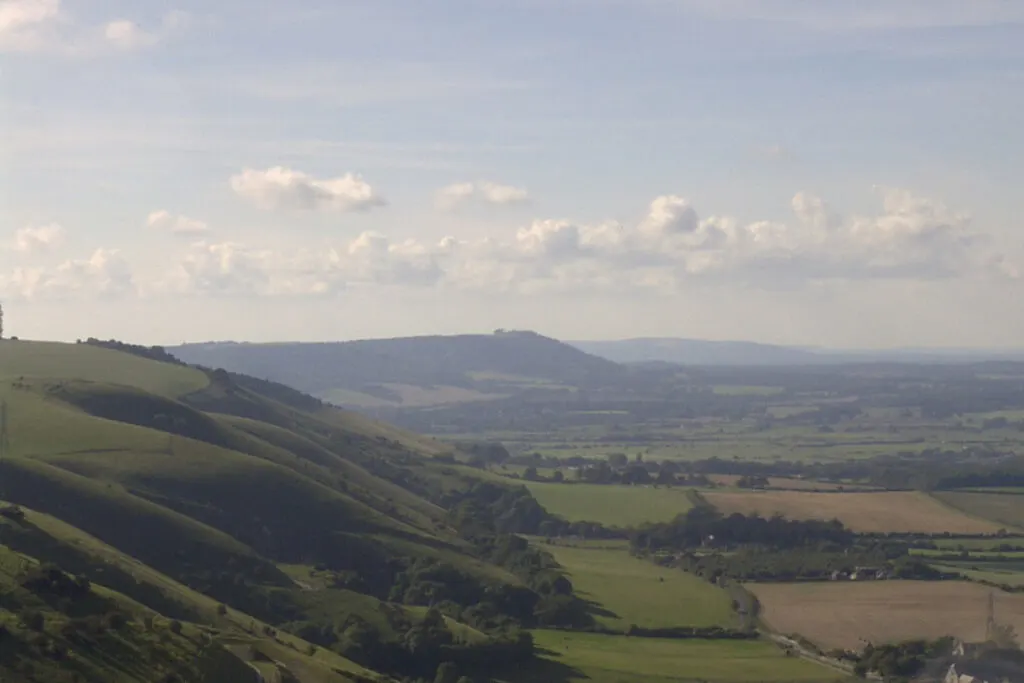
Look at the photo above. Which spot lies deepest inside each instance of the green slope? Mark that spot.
(188, 491)
(146, 645)
(32, 360)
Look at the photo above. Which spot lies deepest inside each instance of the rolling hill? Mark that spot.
(414, 370)
(259, 528)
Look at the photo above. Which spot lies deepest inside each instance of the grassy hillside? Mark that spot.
(86, 362)
(246, 506)
(108, 635)
(413, 371)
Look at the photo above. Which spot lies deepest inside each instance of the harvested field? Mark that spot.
(878, 512)
(850, 614)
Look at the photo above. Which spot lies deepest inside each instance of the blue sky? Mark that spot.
(816, 172)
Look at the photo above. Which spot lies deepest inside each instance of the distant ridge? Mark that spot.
(743, 353)
(467, 366)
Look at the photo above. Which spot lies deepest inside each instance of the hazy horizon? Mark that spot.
(819, 174)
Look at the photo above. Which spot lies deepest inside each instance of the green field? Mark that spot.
(1002, 576)
(1002, 508)
(632, 591)
(618, 659)
(611, 505)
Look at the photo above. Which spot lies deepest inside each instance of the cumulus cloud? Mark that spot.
(496, 194)
(179, 225)
(25, 24)
(127, 35)
(911, 238)
(33, 239)
(104, 274)
(229, 268)
(284, 188)
(44, 25)
(671, 246)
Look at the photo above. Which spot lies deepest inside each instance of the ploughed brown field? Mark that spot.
(888, 511)
(849, 614)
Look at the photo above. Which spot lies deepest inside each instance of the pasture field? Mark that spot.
(877, 512)
(1004, 509)
(611, 505)
(998, 574)
(47, 360)
(618, 659)
(977, 544)
(631, 591)
(849, 614)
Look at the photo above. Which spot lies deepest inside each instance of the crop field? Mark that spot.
(1005, 509)
(849, 614)
(41, 360)
(879, 512)
(611, 505)
(631, 591)
(618, 659)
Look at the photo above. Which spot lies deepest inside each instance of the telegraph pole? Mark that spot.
(990, 624)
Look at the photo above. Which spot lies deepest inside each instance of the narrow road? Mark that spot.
(803, 652)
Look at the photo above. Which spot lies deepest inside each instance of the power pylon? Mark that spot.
(990, 623)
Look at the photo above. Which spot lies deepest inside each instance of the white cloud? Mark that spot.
(127, 35)
(33, 239)
(671, 215)
(104, 274)
(44, 26)
(493, 193)
(455, 195)
(229, 268)
(284, 188)
(25, 24)
(179, 225)
(912, 238)
(671, 247)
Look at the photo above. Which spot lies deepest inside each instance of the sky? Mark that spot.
(813, 172)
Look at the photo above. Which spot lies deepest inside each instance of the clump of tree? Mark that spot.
(157, 353)
(901, 661)
(704, 526)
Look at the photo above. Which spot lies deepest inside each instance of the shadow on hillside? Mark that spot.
(596, 609)
(546, 668)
